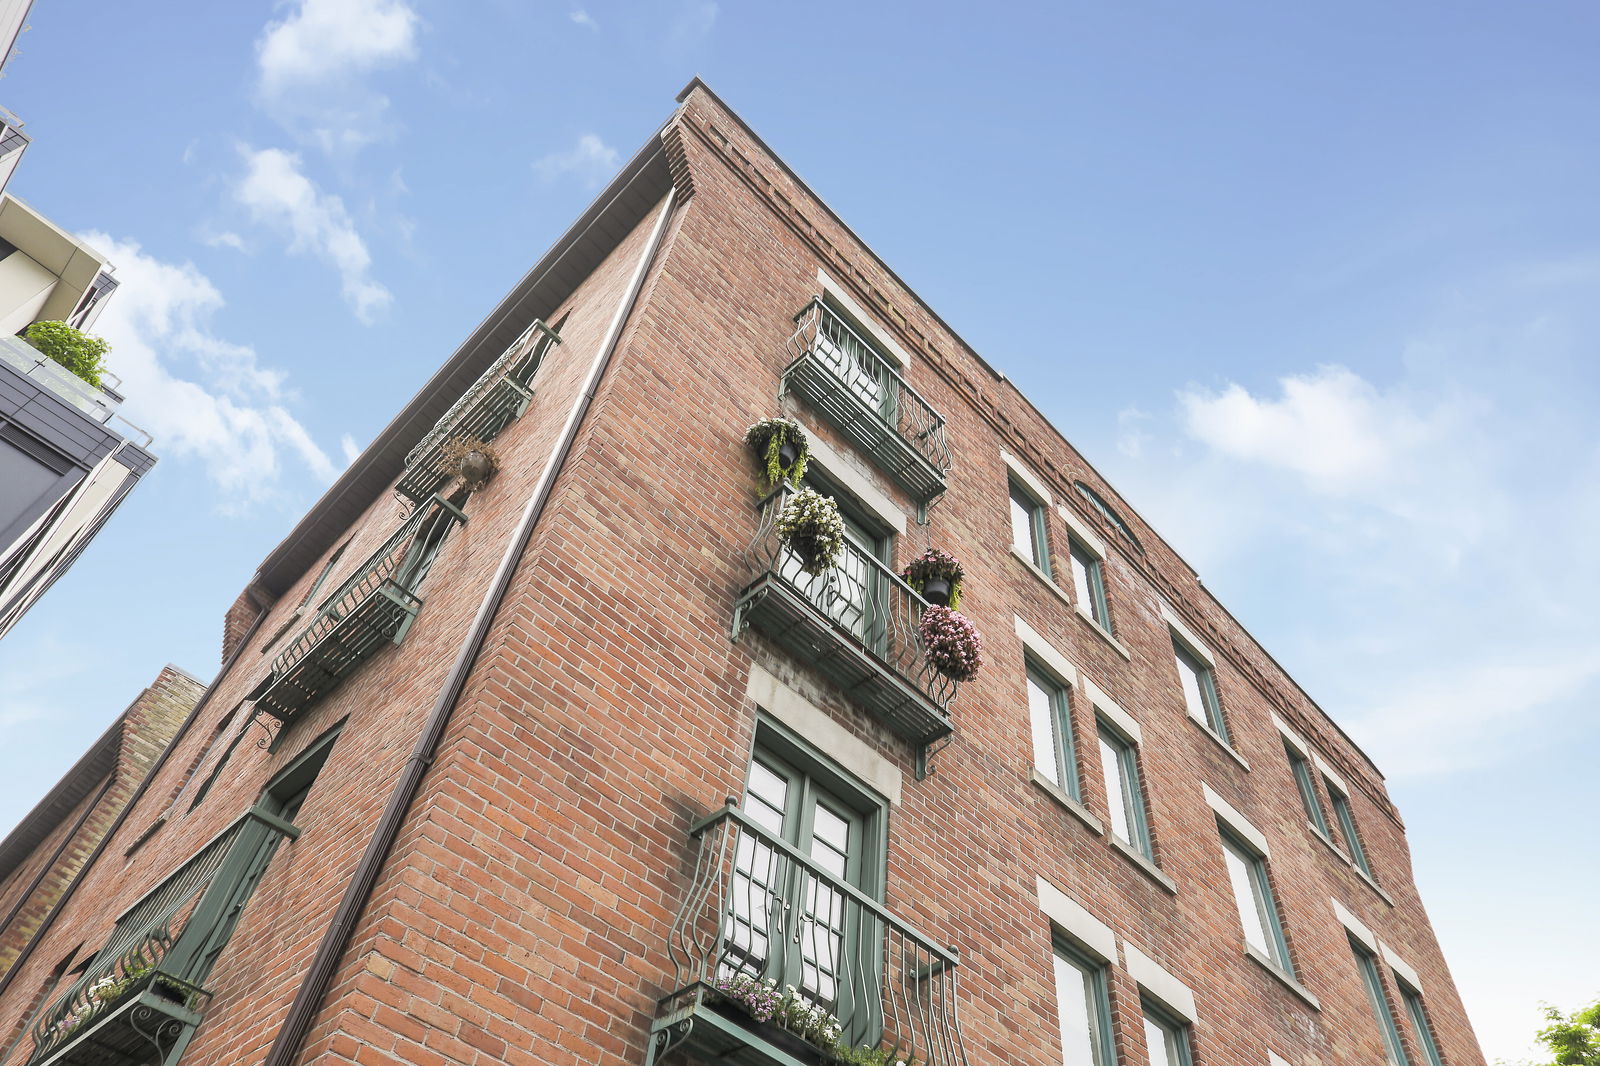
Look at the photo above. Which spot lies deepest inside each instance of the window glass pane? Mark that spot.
(1078, 1009)
(1088, 583)
(1308, 792)
(1419, 1026)
(1165, 1042)
(1041, 714)
(1392, 1048)
(1189, 674)
(1347, 826)
(1023, 517)
(1111, 756)
(1251, 916)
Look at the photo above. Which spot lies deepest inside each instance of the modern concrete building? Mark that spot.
(566, 765)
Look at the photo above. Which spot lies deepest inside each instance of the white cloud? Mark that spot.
(226, 239)
(311, 64)
(591, 160)
(224, 409)
(583, 18)
(277, 193)
(349, 448)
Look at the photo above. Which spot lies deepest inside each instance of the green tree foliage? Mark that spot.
(1573, 1039)
(74, 349)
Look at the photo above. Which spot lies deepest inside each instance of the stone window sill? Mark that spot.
(1288, 982)
(1102, 632)
(1345, 858)
(1049, 583)
(1146, 867)
(1059, 794)
(1223, 744)
(1372, 884)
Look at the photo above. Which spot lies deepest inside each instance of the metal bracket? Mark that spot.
(925, 754)
(273, 731)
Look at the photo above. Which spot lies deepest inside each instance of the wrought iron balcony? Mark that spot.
(856, 622)
(862, 393)
(374, 606)
(760, 910)
(141, 996)
(493, 402)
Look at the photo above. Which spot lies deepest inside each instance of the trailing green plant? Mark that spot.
(80, 352)
(812, 528)
(933, 564)
(766, 439)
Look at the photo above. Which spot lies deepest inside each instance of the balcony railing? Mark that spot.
(862, 393)
(494, 401)
(761, 910)
(50, 375)
(374, 606)
(856, 622)
(141, 996)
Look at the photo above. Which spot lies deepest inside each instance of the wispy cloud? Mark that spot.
(204, 398)
(277, 193)
(583, 18)
(591, 160)
(225, 239)
(1399, 528)
(311, 65)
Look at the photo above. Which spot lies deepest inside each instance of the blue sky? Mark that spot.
(1316, 288)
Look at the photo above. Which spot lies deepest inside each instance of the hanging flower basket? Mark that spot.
(781, 447)
(810, 525)
(936, 575)
(471, 460)
(951, 643)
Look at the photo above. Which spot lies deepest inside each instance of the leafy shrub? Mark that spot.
(767, 437)
(810, 524)
(932, 564)
(74, 349)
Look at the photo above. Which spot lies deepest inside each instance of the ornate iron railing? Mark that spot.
(375, 604)
(141, 993)
(494, 401)
(863, 394)
(856, 621)
(760, 913)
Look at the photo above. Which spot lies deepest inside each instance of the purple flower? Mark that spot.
(951, 643)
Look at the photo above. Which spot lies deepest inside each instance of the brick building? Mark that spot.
(42, 855)
(560, 769)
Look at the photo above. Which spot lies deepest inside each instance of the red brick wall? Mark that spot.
(523, 913)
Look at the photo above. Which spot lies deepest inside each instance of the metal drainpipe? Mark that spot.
(309, 997)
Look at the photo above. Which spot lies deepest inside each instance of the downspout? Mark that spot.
(309, 998)
(88, 864)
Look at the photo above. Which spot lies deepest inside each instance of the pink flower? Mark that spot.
(951, 643)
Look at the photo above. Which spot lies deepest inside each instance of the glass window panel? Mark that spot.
(1088, 583)
(1241, 876)
(1078, 1006)
(1166, 1041)
(1419, 1026)
(1041, 713)
(1199, 689)
(1392, 1047)
(1111, 756)
(1023, 518)
(1347, 826)
(1308, 791)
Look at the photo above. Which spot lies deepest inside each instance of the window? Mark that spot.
(796, 797)
(1166, 1038)
(1108, 514)
(1420, 1029)
(855, 591)
(1119, 760)
(1050, 713)
(1028, 527)
(1199, 689)
(1368, 967)
(856, 362)
(1301, 768)
(1084, 1009)
(327, 568)
(1347, 826)
(1252, 895)
(1089, 584)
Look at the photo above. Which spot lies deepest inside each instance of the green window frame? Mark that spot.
(1253, 898)
(1300, 767)
(1166, 1036)
(1055, 749)
(1083, 1008)
(1347, 826)
(1028, 527)
(1367, 965)
(800, 795)
(1199, 683)
(1089, 583)
(1421, 1028)
(1119, 763)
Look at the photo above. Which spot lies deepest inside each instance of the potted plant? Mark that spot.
(937, 576)
(471, 460)
(80, 352)
(782, 448)
(812, 528)
(951, 643)
(783, 1018)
